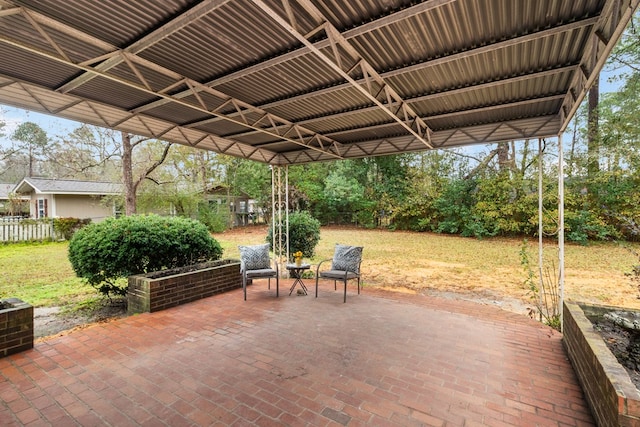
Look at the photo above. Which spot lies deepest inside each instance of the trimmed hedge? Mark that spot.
(118, 248)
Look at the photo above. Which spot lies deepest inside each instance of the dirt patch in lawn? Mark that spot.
(52, 321)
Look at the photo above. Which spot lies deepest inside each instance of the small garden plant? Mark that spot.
(114, 249)
(545, 297)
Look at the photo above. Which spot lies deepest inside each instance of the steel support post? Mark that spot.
(561, 229)
(540, 227)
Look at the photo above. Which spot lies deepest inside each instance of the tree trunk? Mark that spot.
(572, 153)
(127, 175)
(593, 146)
(506, 163)
(131, 185)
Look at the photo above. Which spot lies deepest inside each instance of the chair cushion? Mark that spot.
(265, 272)
(337, 274)
(346, 258)
(255, 257)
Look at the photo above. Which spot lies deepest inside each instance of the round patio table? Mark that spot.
(296, 272)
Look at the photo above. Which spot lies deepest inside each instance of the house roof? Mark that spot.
(6, 189)
(57, 186)
(297, 81)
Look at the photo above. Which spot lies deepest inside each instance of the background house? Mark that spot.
(51, 198)
(12, 205)
(242, 209)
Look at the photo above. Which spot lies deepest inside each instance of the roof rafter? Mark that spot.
(349, 34)
(296, 134)
(72, 103)
(485, 108)
(422, 98)
(585, 22)
(147, 41)
(511, 130)
(618, 11)
(346, 61)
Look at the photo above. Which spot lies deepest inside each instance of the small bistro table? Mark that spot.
(296, 272)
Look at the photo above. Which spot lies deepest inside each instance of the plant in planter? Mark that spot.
(115, 249)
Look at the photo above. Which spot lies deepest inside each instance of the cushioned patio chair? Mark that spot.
(345, 266)
(256, 264)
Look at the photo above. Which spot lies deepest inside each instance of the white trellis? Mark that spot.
(280, 212)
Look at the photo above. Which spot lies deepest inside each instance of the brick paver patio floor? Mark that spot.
(381, 359)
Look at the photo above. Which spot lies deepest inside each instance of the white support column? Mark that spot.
(273, 209)
(540, 227)
(561, 229)
(286, 208)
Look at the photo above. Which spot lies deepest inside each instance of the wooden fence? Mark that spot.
(21, 230)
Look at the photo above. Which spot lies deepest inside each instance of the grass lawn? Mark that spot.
(487, 268)
(40, 274)
(412, 262)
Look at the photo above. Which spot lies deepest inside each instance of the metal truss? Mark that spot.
(350, 65)
(544, 126)
(215, 104)
(444, 59)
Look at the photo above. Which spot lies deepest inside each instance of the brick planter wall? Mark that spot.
(614, 400)
(16, 327)
(168, 288)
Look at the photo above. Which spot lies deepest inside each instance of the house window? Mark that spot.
(41, 208)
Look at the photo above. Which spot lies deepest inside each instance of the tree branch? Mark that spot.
(153, 166)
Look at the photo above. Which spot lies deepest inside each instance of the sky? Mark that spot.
(52, 125)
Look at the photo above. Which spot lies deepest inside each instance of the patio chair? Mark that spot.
(345, 266)
(256, 264)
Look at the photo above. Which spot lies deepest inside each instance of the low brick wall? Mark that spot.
(614, 400)
(16, 327)
(168, 288)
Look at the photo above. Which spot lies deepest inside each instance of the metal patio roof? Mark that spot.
(296, 81)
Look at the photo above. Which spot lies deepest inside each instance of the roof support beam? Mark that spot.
(422, 98)
(242, 113)
(345, 61)
(619, 12)
(349, 34)
(147, 41)
(479, 110)
(427, 64)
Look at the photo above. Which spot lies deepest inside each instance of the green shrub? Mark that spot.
(304, 233)
(214, 216)
(68, 226)
(113, 249)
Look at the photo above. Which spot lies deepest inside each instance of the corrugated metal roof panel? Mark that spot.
(461, 65)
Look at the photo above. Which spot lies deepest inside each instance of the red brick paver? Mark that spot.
(381, 359)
